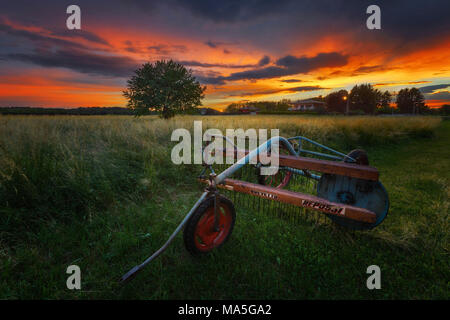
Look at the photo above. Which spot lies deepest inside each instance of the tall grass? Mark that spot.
(73, 165)
(102, 193)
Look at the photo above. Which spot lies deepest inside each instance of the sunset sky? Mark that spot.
(241, 50)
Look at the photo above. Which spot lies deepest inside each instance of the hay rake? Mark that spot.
(341, 187)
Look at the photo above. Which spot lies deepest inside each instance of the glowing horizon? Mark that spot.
(270, 54)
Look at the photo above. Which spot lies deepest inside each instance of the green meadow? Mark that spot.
(101, 192)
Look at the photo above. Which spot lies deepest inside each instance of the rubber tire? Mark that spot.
(191, 224)
(376, 186)
(360, 156)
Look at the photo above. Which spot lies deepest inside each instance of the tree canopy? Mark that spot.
(411, 101)
(336, 101)
(366, 98)
(363, 98)
(262, 106)
(166, 87)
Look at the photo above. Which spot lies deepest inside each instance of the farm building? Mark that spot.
(307, 105)
(249, 110)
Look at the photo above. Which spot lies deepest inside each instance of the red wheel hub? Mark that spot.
(278, 180)
(206, 238)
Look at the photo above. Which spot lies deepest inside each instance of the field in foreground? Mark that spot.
(101, 193)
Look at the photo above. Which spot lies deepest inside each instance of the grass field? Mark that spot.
(102, 193)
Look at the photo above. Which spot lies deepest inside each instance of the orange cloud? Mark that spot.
(399, 83)
(368, 61)
(437, 103)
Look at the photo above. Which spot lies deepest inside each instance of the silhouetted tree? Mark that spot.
(336, 101)
(411, 101)
(384, 105)
(262, 106)
(365, 98)
(233, 108)
(166, 87)
(386, 99)
(445, 110)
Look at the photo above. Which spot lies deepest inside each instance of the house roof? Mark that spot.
(309, 101)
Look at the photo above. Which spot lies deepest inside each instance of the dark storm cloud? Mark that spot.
(194, 63)
(399, 16)
(212, 44)
(362, 70)
(37, 38)
(286, 66)
(167, 49)
(406, 25)
(410, 21)
(430, 89)
(206, 73)
(218, 11)
(87, 35)
(220, 45)
(50, 38)
(215, 80)
(270, 24)
(306, 88)
(368, 69)
(306, 64)
(264, 61)
(444, 96)
(160, 49)
(275, 91)
(81, 61)
(231, 10)
(414, 23)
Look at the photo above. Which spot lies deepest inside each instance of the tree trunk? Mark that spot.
(165, 113)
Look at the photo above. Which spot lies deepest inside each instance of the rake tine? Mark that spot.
(286, 209)
(259, 203)
(294, 213)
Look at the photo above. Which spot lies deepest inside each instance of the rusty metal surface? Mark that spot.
(300, 199)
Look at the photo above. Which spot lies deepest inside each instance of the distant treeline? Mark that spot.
(89, 111)
(281, 106)
(361, 99)
(264, 107)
